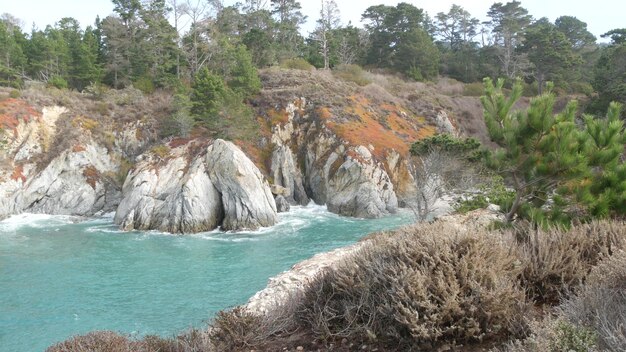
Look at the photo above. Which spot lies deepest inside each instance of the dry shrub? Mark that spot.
(557, 261)
(600, 305)
(96, 341)
(449, 86)
(108, 341)
(425, 286)
(241, 330)
(554, 334)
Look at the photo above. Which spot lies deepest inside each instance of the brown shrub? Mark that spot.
(425, 286)
(96, 341)
(108, 341)
(92, 175)
(557, 261)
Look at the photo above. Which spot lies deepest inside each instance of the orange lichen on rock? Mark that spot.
(92, 175)
(77, 148)
(18, 173)
(260, 156)
(278, 117)
(178, 141)
(324, 113)
(384, 127)
(12, 111)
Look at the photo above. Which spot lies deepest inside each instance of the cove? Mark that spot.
(59, 278)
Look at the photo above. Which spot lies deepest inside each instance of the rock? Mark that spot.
(361, 189)
(493, 208)
(282, 286)
(286, 174)
(246, 197)
(73, 183)
(218, 187)
(282, 205)
(279, 190)
(170, 200)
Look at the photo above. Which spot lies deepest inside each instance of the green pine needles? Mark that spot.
(560, 168)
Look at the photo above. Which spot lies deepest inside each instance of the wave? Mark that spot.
(39, 221)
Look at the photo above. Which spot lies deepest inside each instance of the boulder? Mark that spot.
(282, 205)
(193, 193)
(286, 174)
(73, 183)
(246, 197)
(170, 200)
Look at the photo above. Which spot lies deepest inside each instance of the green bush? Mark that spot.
(493, 192)
(352, 73)
(15, 94)
(57, 82)
(297, 64)
(473, 89)
(415, 74)
(144, 84)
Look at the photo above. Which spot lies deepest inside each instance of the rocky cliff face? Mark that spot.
(196, 189)
(321, 139)
(73, 182)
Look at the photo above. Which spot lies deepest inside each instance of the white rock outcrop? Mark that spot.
(74, 182)
(220, 187)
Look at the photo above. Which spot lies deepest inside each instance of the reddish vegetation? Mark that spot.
(278, 117)
(18, 173)
(77, 148)
(179, 141)
(91, 175)
(384, 131)
(14, 110)
(261, 157)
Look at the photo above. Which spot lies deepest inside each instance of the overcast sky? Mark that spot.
(600, 15)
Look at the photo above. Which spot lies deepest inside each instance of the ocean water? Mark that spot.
(59, 277)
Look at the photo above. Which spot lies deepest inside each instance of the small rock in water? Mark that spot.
(299, 348)
(282, 205)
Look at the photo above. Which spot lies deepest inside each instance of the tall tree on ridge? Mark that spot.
(329, 20)
(289, 17)
(508, 23)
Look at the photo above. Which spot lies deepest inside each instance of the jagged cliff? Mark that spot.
(319, 139)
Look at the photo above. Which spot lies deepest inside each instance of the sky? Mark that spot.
(600, 15)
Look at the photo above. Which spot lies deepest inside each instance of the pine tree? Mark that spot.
(207, 95)
(539, 150)
(603, 190)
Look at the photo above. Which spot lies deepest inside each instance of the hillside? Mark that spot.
(319, 137)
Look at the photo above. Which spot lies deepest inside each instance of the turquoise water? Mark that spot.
(59, 278)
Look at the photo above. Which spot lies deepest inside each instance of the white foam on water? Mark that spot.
(39, 221)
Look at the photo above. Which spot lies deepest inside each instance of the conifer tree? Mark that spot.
(540, 152)
(603, 190)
